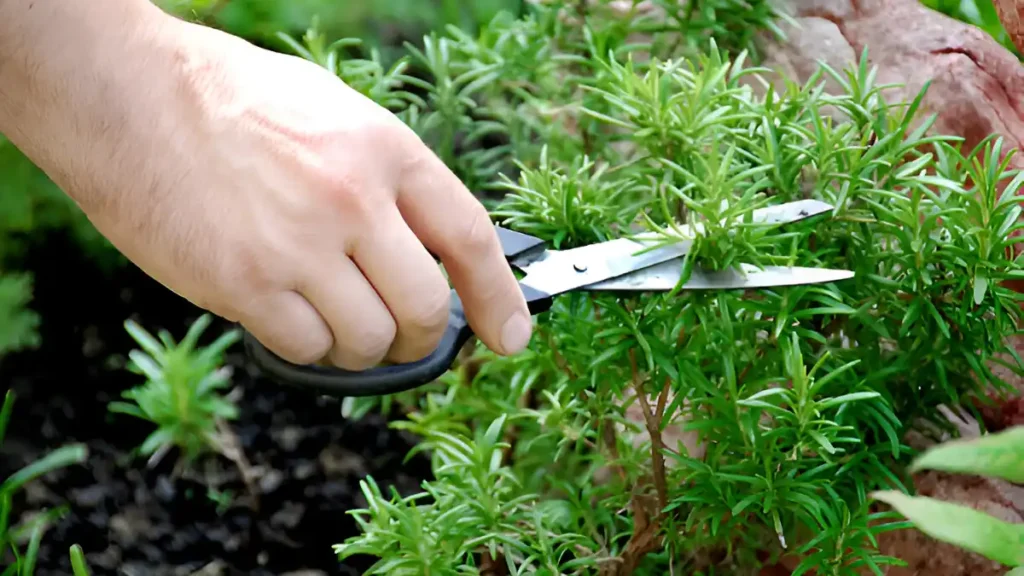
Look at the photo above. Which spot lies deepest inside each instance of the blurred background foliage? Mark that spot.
(384, 24)
(387, 23)
(31, 206)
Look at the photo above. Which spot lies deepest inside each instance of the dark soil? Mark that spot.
(132, 519)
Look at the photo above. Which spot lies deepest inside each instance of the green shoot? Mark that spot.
(182, 392)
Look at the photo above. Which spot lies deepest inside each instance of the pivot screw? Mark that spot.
(579, 267)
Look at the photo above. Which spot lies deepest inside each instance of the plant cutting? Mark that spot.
(692, 432)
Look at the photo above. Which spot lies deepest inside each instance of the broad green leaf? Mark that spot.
(999, 455)
(964, 527)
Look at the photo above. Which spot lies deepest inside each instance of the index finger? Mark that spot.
(455, 226)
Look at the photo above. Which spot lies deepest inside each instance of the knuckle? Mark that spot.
(429, 316)
(421, 330)
(367, 347)
(387, 133)
(254, 264)
(232, 290)
(248, 268)
(479, 235)
(356, 187)
(345, 191)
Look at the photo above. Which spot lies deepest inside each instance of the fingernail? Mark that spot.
(515, 334)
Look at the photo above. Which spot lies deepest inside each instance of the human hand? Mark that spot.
(262, 188)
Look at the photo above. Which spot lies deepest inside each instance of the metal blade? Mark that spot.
(779, 214)
(561, 272)
(664, 277)
(555, 272)
(791, 211)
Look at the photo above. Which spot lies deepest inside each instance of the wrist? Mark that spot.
(75, 76)
(49, 47)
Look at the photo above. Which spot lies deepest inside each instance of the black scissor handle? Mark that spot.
(384, 379)
(397, 377)
(375, 381)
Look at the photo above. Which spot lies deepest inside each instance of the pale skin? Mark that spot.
(256, 185)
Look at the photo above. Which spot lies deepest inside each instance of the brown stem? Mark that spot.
(611, 444)
(231, 448)
(581, 10)
(470, 362)
(640, 542)
(563, 365)
(493, 566)
(653, 430)
(663, 398)
(646, 537)
(644, 540)
(528, 400)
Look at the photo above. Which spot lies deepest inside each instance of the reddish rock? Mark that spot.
(976, 86)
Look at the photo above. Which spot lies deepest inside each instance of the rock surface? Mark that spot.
(976, 85)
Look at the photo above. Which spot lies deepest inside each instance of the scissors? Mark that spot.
(619, 265)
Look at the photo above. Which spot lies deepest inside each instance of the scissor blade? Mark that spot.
(561, 272)
(791, 211)
(555, 272)
(778, 214)
(665, 276)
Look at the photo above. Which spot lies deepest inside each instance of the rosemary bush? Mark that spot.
(690, 432)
